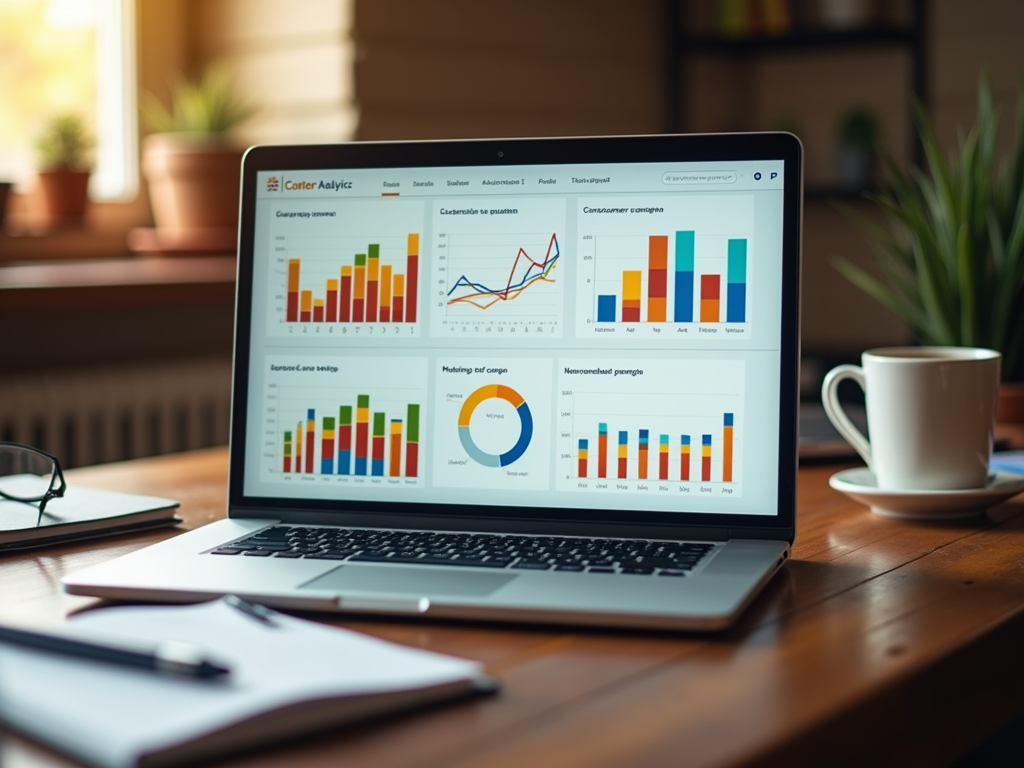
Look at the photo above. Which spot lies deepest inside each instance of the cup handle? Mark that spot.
(835, 412)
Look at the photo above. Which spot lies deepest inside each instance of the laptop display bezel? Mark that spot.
(512, 152)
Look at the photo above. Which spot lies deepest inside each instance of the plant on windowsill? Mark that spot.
(952, 255)
(192, 165)
(64, 148)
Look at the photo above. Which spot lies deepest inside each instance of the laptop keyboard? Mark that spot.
(532, 553)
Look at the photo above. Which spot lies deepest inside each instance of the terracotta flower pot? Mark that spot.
(193, 181)
(65, 194)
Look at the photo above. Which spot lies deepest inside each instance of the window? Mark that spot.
(70, 56)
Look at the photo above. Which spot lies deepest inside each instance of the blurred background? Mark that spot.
(116, 330)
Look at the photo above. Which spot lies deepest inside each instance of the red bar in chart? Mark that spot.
(705, 458)
(412, 260)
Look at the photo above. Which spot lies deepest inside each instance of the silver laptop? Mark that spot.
(549, 380)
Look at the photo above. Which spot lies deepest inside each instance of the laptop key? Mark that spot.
(227, 551)
(532, 566)
(671, 573)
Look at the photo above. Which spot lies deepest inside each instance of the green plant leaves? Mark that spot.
(952, 254)
(209, 105)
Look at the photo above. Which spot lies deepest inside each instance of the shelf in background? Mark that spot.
(800, 41)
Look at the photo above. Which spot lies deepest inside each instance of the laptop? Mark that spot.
(543, 380)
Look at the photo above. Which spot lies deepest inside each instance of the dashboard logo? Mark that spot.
(273, 184)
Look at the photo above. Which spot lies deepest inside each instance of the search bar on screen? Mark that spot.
(699, 177)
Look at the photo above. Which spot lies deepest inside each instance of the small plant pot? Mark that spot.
(1011, 403)
(854, 166)
(193, 181)
(64, 195)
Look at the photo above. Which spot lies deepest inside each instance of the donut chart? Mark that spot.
(509, 395)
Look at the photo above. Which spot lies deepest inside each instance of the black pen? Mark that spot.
(260, 613)
(169, 657)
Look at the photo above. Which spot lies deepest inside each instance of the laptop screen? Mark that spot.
(567, 339)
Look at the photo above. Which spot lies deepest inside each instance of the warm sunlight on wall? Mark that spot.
(62, 57)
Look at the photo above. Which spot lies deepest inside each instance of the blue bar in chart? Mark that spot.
(683, 311)
(736, 282)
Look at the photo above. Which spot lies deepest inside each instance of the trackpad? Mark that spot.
(422, 582)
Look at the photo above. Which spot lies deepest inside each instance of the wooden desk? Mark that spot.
(880, 643)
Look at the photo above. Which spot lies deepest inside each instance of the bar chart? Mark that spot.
(365, 290)
(660, 426)
(354, 423)
(682, 270)
(357, 440)
(498, 268)
(340, 271)
(634, 459)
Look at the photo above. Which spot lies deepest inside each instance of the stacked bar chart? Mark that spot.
(364, 290)
(651, 266)
(634, 461)
(651, 425)
(644, 297)
(356, 440)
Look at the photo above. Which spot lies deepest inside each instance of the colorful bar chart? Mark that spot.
(365, 291)
(377, 448)
(643, 294)
(642, 470)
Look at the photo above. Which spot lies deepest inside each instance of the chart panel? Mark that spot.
(668, 268)
(654, 426)
(346, 270)
(498, 267)
(360, 424)
(493, 427)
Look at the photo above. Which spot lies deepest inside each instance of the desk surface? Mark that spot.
(879, 643)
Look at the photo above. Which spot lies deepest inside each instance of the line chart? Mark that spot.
(483, 297)
(495, 269)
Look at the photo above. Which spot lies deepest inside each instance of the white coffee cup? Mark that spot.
(931, 415)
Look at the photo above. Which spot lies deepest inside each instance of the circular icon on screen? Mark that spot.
(757, 176)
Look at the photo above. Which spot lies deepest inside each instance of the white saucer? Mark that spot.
(859, 484)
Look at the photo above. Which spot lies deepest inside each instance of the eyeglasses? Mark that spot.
(30, 476)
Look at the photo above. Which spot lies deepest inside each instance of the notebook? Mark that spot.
(118, 717)
(531, 379)
(82, 513)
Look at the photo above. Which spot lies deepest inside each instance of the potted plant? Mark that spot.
(190, 162)
(952, 255)
(63, 148)
(858, 137)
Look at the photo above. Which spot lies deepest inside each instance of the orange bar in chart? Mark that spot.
(318, 310)
(710, 298)
(631, 280)
(602, 449)
(385, 293)
(395, 468)
(657, 278)
(306, 308)
(727, 448)
(372, 278)
(292, 313)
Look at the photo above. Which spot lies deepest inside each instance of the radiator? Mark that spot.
(119, 412)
